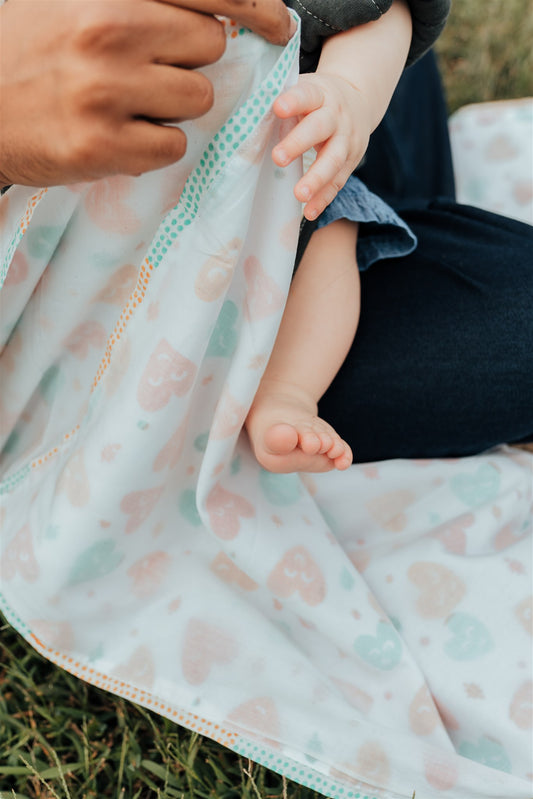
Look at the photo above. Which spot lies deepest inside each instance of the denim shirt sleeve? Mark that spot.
(323, 18)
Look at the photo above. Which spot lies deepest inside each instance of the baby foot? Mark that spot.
(287, 436)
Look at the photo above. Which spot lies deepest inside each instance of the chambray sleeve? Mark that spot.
(323, 18)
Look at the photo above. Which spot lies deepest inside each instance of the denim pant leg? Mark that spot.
(442, 362)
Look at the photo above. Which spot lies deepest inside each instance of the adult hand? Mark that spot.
(84, 85)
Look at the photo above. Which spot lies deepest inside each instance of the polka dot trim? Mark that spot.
(33, 202)
(13, 480)
(297, 772)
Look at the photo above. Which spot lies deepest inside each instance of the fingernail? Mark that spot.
(282, 157)
(305, 193)
(311, 215)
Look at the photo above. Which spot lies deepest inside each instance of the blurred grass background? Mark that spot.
(62, 739)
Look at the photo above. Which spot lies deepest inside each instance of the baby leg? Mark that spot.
(315, 334)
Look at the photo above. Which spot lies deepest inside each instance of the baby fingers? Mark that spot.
(326, 177)
(313, 129)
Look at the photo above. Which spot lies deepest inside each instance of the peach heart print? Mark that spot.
(263, 296)
(171, 452)
(58, 634)
(423, 716)
(119, 287)
(83, 337)
(225, 511)
(205, 646)
(215, 275)
(259, 714)
(524, 614)
(148, 573)
(521, 710)
(441, 771)
(453, 535)
(229, 416)
(138, 505)
(167, 374)
(139, 669)
(74, 482)
(224, 567)
(18, 557)
(105, 203)
(298, 572)
(372, 763)
(18, 270)
(440, 589)
(388, 509)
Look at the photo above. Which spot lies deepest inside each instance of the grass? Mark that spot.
(62, 739)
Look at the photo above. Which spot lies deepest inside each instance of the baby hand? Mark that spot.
(334, 118)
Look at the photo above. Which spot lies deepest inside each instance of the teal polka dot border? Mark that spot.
(10, 482)
(13, 619)
(297, 772)
(220, 150)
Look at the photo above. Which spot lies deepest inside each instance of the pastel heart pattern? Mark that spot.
(215, 275)
(298, 572)
(42, 240)
(263, 295)
(521, 709)
(259, 714)
(524, 614)
(470, 640)
(383, 650)
(389, 509)
(488, 752)
(51, 382)
(441, 771)
(354, 695)
(167, 374)
(18, 557)
(58, 634)
(119, 287)
(105, 203)
(98, 560)
(225, 511)
(74, 481)
(229, 417)
(510, 534)
(223, 341)
(440, 589)
(205, 646)
(18, 270)
(453, 536)
(372, 763)
(423, 715)
(138, 505)
(280, 489)
(476, 489)
(226, 569)
(139, 669)
(171, 453)
(148, 573)
(188, 508)
(83, 337)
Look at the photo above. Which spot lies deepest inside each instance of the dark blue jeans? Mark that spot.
(442, 363)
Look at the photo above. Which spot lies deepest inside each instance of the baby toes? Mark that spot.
(310, 443)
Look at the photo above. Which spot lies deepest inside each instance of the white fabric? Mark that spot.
(365, 633)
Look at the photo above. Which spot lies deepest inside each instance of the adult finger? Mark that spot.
(181, 94)
(268, 18)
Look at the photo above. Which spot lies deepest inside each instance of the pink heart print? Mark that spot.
(59, 634)
(259, 715)
(139, 669)
(138, 505)
(423, 715)
(119, 287)
(171, 452)
(18, 557)
(148, 573)
(229, 416)
(106, 206)
(263, 296)
(204, 647)
(224, 568)
(453, 535)
(18, 270)
(225, 511)
(298, 572)
(74, 482)
(440, 589)
(168, 373)
(215, 275)
(83, 337)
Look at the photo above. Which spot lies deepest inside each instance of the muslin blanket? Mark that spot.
(365, 633)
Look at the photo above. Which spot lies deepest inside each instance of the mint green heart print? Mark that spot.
(383, 650)
(470, 640)
(476, 489)
(43, 240)
(224, 338)
(488, 752)
(188, 507)
(96, 561)
(280, 489)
